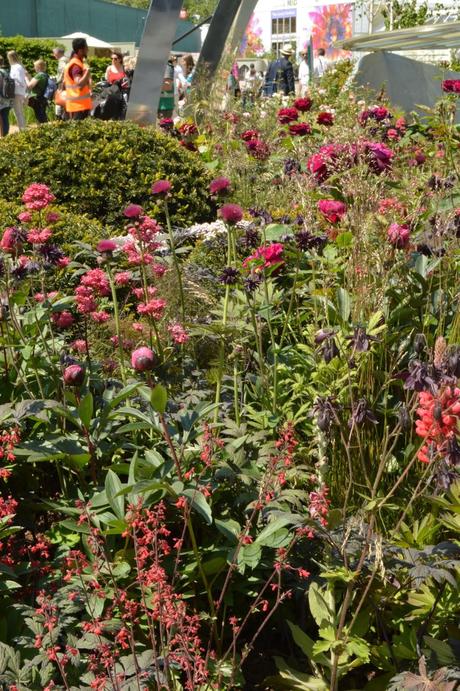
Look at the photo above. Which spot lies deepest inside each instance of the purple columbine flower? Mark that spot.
(229, 276)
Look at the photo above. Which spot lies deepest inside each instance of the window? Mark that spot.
(284, 25)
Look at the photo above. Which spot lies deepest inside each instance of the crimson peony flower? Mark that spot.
(37, 196)
(142, 359)
(325, 118)
(451, 86)
(219, 186)
(106, 246)
(332, 210)
(299, 129)
(287, 115)
(303, 104)
(133, 211)
(161, 187)
(266, 257)
(74, 375)
(398, 235)
(231, 213)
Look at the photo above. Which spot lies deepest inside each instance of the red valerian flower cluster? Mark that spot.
(437, 424)
(37, 197)
(319, 504)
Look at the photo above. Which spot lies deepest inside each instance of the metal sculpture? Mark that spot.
(159, 31)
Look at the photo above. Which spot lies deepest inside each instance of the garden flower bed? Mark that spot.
(229, 448)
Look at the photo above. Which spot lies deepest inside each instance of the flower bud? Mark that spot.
(74, 375)
(142, 359)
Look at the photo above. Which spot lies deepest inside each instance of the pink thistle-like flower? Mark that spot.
(332, 210)
(106, 246)
(299, 129)
(303, 104)
(219, 186)
(178, 333)
(133, 211)
(37, 197)
(287, 115)
(122, 278)
(25, 217)
(63, 319)
(398, 235)
(231, 213)
(38, 237)
(325, 118)
(74, 375)
(161, 187)
(142, 359)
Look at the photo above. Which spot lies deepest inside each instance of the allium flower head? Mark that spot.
(142, 359)
(161, 188)
(37, 197)
(219, 186)
(231, 213)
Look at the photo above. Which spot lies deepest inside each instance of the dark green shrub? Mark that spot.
(29, 50)
(97, 168)
(98, 67)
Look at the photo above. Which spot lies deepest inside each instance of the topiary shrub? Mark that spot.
(29, 50)
(97, 168)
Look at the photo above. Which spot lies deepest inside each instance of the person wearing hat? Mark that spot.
(280, 74)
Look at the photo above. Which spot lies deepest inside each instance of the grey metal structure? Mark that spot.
(159, 32)
(243, 17)
(216, 38)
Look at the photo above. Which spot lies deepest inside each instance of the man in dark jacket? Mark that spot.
(280, 74)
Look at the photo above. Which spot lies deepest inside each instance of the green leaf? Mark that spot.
(229, 528)
(85, 409)
(199, 503)
(274, 526)
(159, 399)
(249, 555)
(344, 240)
(275, 231)
(344, 303)
(113, 487)
(319, 608)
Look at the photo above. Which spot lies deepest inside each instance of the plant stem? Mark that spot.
(117, 324)
(175, 261)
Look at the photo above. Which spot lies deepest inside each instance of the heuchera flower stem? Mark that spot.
(175, 261)
(224, 324)
(117, 324)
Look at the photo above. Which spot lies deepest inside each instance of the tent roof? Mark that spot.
(428, 36)
(92, 41)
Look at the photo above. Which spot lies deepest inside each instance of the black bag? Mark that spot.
(7, 85)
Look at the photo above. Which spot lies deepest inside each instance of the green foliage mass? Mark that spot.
(98, 67)
(29, 50)
(97, 168)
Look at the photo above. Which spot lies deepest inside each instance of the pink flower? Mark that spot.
(52, 217)
(303, 104)
(231, 213)
(63, 319)
(100, 317)
(153, 308)
(79, 345)
(219, 186)
(63, 262)
(97, 280)
(287, 115)
(377, 113)
(258, 149)
(85, 300)
(123, 278)
(266, 257)
(300, 129)
(133, 211)
(378, 156)
(325, 118)
(451, 86)
(178, 333)
(38, 237)
(398, 235)
(106, 246)
(37, 196)
(332, 210)
(142, 359)
(41, 297)
(11, 240)
(401, 124)
(161, 187)
(392, 133)
(137, 326)
(25, 217)
(74, 375)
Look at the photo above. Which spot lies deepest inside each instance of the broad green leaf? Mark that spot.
(344, 240)
(249, 555)
(229, 528)
(275, 525)
(85, 409)
(159, 399)
(199, 502)
(113, 487)
(319, 608)
(275, 231)
(344, 303)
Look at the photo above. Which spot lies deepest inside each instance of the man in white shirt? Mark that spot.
(18, 74)
(321, 63)
(304, 75)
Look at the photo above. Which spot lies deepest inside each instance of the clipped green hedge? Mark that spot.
(98, 67)
(97, 168)
(29, 50)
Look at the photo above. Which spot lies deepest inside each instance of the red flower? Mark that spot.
(303, 104)
(258, 149)
(11, 240)
(161, 187)
(133, 211)
(231, 213)
(219, 186)
(300, 129)
(37, 196)
(287, 115)
(325, 118)
(63, 319)
(74, 375)
(451, 86)
(438, 420)
(266, 257)
(332, 210)
(142, 359)
(247, 135)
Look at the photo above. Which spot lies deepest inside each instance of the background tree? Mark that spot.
(197, 9)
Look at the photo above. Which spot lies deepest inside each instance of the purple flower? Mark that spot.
(74, 375)
(142, 359)
(361, 413)
(161, 187)
(231, 213)
(229, 276)
(133, 211)
(379, 157)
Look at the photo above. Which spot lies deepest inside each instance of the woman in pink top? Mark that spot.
(115, 71)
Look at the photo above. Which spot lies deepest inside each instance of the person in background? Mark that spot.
(5, 104)
(77, 81)
(18, 73)
(280, 74)
(321, 63)
(251, 86)
(59, 56)
(304, 74)
(115, 71)
(166, 105)
(189, 71)
(179, 80)
(37, 86)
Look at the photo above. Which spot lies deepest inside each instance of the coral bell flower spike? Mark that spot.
(142, 359)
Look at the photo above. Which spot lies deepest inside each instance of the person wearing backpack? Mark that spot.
(6, 101)
(37, 86)
(18, 73)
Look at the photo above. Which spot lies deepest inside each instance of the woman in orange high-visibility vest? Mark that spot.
(77, 80)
